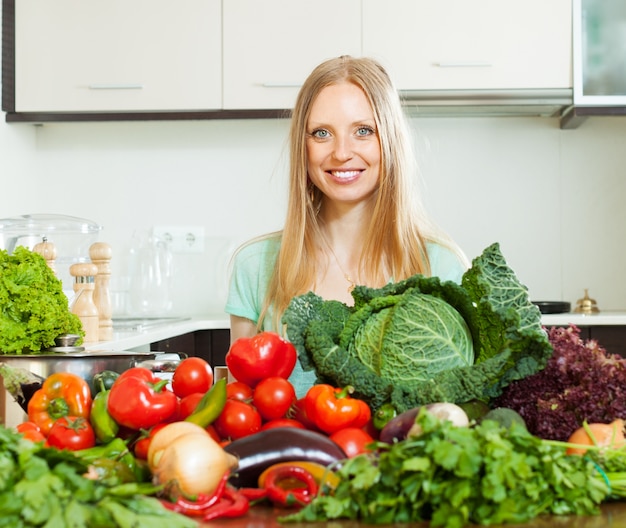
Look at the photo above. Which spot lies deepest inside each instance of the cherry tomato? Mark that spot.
(193, 374)
(31, 431)
(238, 390)
(142, 445)
(352, 440)
(282, 422)
(188, 404)
(273, 397)
(71, 432)
(237, 419)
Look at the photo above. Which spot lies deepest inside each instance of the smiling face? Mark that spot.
(343, 149)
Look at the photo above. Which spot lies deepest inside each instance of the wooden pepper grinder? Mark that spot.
(48, 251)
(100, 254)
(83, 306)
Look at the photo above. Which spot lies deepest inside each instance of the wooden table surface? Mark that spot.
(613, 515)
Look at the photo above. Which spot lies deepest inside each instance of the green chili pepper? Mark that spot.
(116, 450)
(385, 413)
(210, 406)
(104, 426)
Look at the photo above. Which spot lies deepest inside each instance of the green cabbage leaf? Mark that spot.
(424, 340)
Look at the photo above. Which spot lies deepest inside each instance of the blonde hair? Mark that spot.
(396, 237)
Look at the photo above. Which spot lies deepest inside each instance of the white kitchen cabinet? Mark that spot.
(471, 44)
(117, 55)
(270, 47)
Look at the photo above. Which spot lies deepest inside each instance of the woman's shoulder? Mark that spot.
(446, 262)
(261, 245)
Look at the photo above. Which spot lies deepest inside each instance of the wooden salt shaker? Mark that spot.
(48, 251)
(83, 306)
(100, 254)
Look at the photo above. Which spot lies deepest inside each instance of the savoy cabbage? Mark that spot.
(423, 340)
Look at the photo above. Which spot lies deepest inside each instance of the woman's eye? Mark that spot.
(320, 133)
(364, 131)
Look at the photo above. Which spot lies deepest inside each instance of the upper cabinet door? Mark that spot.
(270, 47)
(117, 55)
(471, 44)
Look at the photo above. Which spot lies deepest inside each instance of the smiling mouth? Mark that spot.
(345, 175)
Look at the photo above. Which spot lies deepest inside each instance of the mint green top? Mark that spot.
(252, 269)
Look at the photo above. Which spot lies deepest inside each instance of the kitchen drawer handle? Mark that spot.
(116, 86)
(464, 64)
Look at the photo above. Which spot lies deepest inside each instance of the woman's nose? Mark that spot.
(343, 148)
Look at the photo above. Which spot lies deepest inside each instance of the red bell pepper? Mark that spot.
(62, 394)
(332, 408)
(139, 400)
(290, 486)
(251, 359)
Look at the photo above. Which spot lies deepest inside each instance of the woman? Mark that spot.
(353, 216)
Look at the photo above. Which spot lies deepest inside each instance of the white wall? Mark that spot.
(552, 198)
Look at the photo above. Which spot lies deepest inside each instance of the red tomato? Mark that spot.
(352, 440)
(237, 419)
(188, 405)
(282, 422)
(31, 431)
(71, 432)
(273, 397)
(238, 390)
(143, 444)
(192, 374)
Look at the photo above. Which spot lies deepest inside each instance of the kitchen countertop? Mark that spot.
(578, 319)
(139, 337)
(613, 515)
(147, 331)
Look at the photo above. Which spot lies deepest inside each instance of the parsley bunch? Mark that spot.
(453, 476)
(45, 487)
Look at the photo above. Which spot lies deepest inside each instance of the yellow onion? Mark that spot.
(187, 460)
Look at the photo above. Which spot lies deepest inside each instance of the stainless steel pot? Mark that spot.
(84, 364)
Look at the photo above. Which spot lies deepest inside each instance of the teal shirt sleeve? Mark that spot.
(445, 263)
(252, 267)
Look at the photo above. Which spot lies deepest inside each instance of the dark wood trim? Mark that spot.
(8, 55)
(50, 117)
(576, 115)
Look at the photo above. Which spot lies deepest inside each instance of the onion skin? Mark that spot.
(187, 460)
(606, 435)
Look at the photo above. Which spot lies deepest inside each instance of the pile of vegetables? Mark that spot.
(198, 446)
(580, 382)
(421, 340)
(453, 476)
(34, 310)
(43, 486)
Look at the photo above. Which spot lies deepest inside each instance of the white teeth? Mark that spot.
(344, 174)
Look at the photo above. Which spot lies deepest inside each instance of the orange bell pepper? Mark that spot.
(62, 394)
(332, 408)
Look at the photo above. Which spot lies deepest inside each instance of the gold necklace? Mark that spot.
(345, 275)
